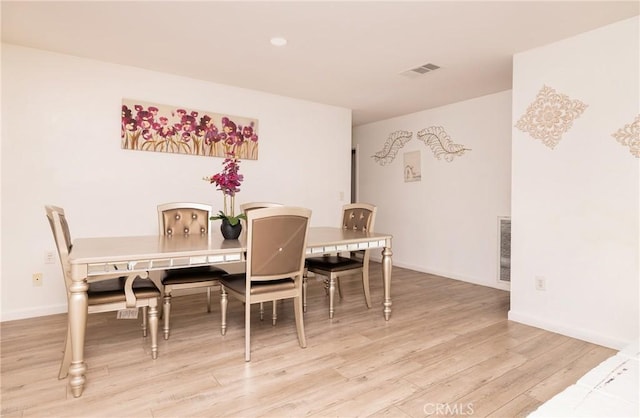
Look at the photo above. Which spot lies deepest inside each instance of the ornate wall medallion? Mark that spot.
(629, 136)
(549, 116)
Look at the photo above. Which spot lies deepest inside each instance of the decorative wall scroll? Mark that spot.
(412, 166)
(629, 136)
(440, 143)
(395, 141)
(549, 116)
(165, 128)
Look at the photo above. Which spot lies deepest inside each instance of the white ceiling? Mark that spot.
(347, 54)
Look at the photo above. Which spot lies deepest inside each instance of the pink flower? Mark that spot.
(229, 179)
(228, 182)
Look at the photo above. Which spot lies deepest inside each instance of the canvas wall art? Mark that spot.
(175, 129)
(412, 166)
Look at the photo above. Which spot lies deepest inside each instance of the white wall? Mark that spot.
(61, 145)
(576, 208)
(447, 223)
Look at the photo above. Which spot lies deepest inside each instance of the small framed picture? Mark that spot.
(412, 169)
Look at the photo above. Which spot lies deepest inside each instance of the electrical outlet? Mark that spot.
(49, 257)
(37, 279)
(541, 283)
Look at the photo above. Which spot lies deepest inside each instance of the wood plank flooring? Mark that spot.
(447, 350)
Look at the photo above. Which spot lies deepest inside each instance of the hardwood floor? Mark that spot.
(447, 350)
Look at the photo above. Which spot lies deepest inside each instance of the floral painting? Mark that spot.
(165, 128)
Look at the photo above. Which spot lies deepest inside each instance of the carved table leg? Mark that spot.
(386, 277)
(78, 305)
(153, 324)
(332, 294)
(223, 310)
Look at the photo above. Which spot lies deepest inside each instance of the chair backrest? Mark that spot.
(245, 207)
(358, 216)
(276, 243)
(184, 218)
(62, 236)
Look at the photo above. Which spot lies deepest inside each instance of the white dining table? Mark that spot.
(92, 258)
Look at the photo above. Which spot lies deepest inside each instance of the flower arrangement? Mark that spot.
(228, 182)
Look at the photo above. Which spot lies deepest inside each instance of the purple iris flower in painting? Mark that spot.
(144, 119)
(125, 119)
(200, 132)
(209, 128)
(248, 133)
(146, 134)
(188, 123)
(130, 125)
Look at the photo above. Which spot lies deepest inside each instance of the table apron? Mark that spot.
(168, 263)
(355, 246)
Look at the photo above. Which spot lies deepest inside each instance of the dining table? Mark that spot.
(93, 259)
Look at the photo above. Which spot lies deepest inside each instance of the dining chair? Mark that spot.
(357, 217)
(112, 293)
(276, 246)
(244, 208)
(186, 218)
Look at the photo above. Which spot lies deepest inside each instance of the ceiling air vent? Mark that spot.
(423, 69)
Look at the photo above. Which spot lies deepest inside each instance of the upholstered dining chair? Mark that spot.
(112, 293)
(244, 208)
(276, 246)
(355, 216)
(186, 218)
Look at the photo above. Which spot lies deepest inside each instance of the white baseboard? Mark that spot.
(34, 312)
(581, 334)
(496, 284)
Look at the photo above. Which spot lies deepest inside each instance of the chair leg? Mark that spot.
(208, 299)
(66, 356)
(247, 331)
(153, 324)
(223, 309)
(332, 294)
(298, 311)
(304, 293)
(144, 321)
(339, 287)
(274, 314)
(365, 285)
(166, 313)
(261, 311)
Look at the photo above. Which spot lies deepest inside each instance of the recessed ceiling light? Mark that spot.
(278, 41)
